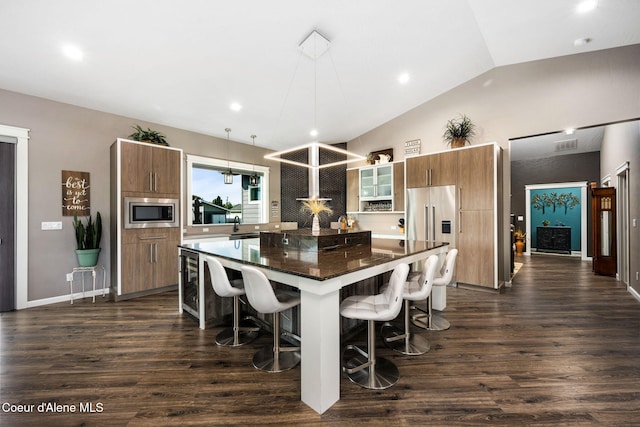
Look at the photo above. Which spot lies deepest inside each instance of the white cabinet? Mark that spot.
(378, 188)
(376, 182)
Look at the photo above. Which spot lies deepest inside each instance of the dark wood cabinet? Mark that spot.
(553, 239)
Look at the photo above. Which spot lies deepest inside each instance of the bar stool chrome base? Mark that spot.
(365, 369)
(237, 335)
(274, 358)
(283, 360)
(404, 342)
(430, 322)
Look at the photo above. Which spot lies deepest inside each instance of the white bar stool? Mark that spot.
(406, 342)
(83, 270)
(236, 335)
(429, 320)
(266, 300)
(364, 369)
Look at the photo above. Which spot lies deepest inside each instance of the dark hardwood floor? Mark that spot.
(560, 347)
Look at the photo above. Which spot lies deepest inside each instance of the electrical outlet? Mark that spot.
(257, 227)
(69, 277)
(56, 225)
(277, 225)
(637, 276)
(393, 227)
(634, 222)
(205, 229)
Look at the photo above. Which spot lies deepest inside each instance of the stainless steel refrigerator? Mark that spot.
(431, 214)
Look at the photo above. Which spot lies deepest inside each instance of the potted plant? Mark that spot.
(316, 207)
(151, 136)
(88, 240)
(546, 222)
(458, 131)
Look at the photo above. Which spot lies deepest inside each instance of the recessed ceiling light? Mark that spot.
(403, 78)
(72, 52)
(569, 131)
(586, 6)
(581, 42)
(235, 106)
(314, 132)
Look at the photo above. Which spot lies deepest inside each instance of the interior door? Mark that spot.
(7, 226)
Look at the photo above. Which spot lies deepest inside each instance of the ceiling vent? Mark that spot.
(566, 145)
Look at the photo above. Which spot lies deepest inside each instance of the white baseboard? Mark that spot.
(66, 298)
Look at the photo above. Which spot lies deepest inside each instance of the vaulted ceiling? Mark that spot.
(185, 63)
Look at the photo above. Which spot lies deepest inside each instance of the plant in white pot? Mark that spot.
(88, 240)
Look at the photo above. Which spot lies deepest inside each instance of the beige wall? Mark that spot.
(521, 100)
(65, 137)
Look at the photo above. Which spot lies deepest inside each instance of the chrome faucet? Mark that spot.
(236, 223)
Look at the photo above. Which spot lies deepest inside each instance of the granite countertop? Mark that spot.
(314, 265)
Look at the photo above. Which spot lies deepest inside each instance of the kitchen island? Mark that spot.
(319, 276)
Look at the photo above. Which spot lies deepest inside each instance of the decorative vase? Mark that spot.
(315, 227)
(87, 257)
(519, 247)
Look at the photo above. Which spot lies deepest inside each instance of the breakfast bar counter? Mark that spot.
(319, 275)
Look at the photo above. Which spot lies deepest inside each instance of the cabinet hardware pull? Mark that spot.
(153, 238)
(150, 181)
(155, 182)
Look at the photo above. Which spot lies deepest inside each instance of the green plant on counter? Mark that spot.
(88, 236)
(546, 222)
(148, 135)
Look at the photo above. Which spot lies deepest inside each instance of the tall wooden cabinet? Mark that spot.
(476, 173)
(143, 260)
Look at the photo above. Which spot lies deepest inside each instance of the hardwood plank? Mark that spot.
(561, 346)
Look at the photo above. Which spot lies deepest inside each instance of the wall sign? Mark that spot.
(412, 148)
(76, 194)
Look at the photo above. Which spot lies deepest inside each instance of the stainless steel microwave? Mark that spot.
(146, 212)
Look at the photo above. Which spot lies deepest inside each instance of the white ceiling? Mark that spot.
(182, 63)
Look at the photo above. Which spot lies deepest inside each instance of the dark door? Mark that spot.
(605, 259)
(7, 226)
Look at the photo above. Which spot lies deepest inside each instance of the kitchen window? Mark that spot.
(210, 201)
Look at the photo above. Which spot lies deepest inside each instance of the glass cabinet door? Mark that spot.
(367, 183)
(384, 181)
